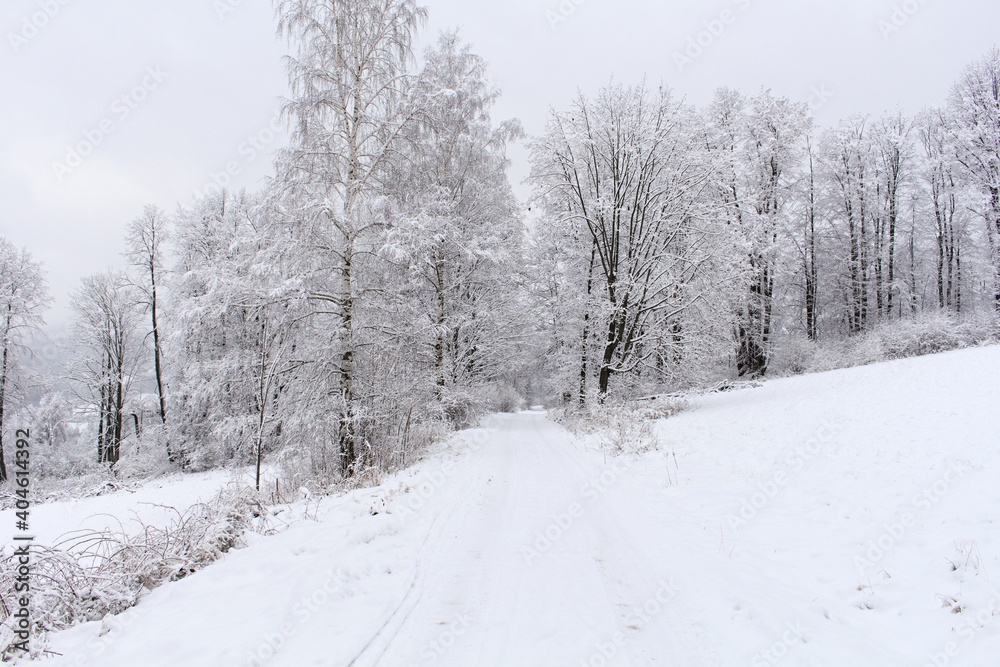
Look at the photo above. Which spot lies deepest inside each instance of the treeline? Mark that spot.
(384, 286)
(674, 241)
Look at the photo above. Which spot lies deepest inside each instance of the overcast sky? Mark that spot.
(165, 95)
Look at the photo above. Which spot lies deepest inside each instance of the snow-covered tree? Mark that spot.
(892, 151)
(352, 100)
(975, 115)
(630, 169)
(847, 157)
(106, 331)
(235, 321)
(145, 239)
(457, 235)
(944, 194)
(23, 299)
(758, 142)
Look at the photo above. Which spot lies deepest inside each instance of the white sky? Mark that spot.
(222, 78)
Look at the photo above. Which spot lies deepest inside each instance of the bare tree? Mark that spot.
(941, 180)
(105, 326)
(847, 161)
(23, 298)
(891, 146)
(810, 263)
(145, 237)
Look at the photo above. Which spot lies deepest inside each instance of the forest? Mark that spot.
(385, 285)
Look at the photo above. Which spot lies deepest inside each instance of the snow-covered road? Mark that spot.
(529, 565)
(505, 549)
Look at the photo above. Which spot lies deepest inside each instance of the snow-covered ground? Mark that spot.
(156, 502)
(846, 518)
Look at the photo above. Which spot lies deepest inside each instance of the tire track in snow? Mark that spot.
(393, 621)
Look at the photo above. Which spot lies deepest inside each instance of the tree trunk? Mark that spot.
(439, 342)
(913, 270)
(995, 202)
(348, 452)
(158, 359)
(810, 256)
(754, 330)
(119, 408)
(586, 328)
(4, 363)
(891, 278)
(610, 347)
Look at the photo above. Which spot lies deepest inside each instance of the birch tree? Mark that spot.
(351, 102)
(810, 258)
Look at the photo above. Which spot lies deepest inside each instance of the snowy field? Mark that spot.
(844, 519)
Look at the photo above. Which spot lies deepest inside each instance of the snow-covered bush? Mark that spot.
(929, 333)
(793, 354)
(625, 434)
(502, 398)
(89, 574)
(67, 459)
(461, 407)
(144, 457)
(63, 444)
(662, 408)
(623, 428)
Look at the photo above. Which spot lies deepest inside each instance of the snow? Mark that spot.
(843, 518)
(155, 502)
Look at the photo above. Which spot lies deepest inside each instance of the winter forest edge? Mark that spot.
(386, 287)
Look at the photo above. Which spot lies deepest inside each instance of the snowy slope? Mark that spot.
(155, 502)
(845, 518)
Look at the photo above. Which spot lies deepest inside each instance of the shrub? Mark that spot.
(91, 573)
(502, 398)
(929, 333)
